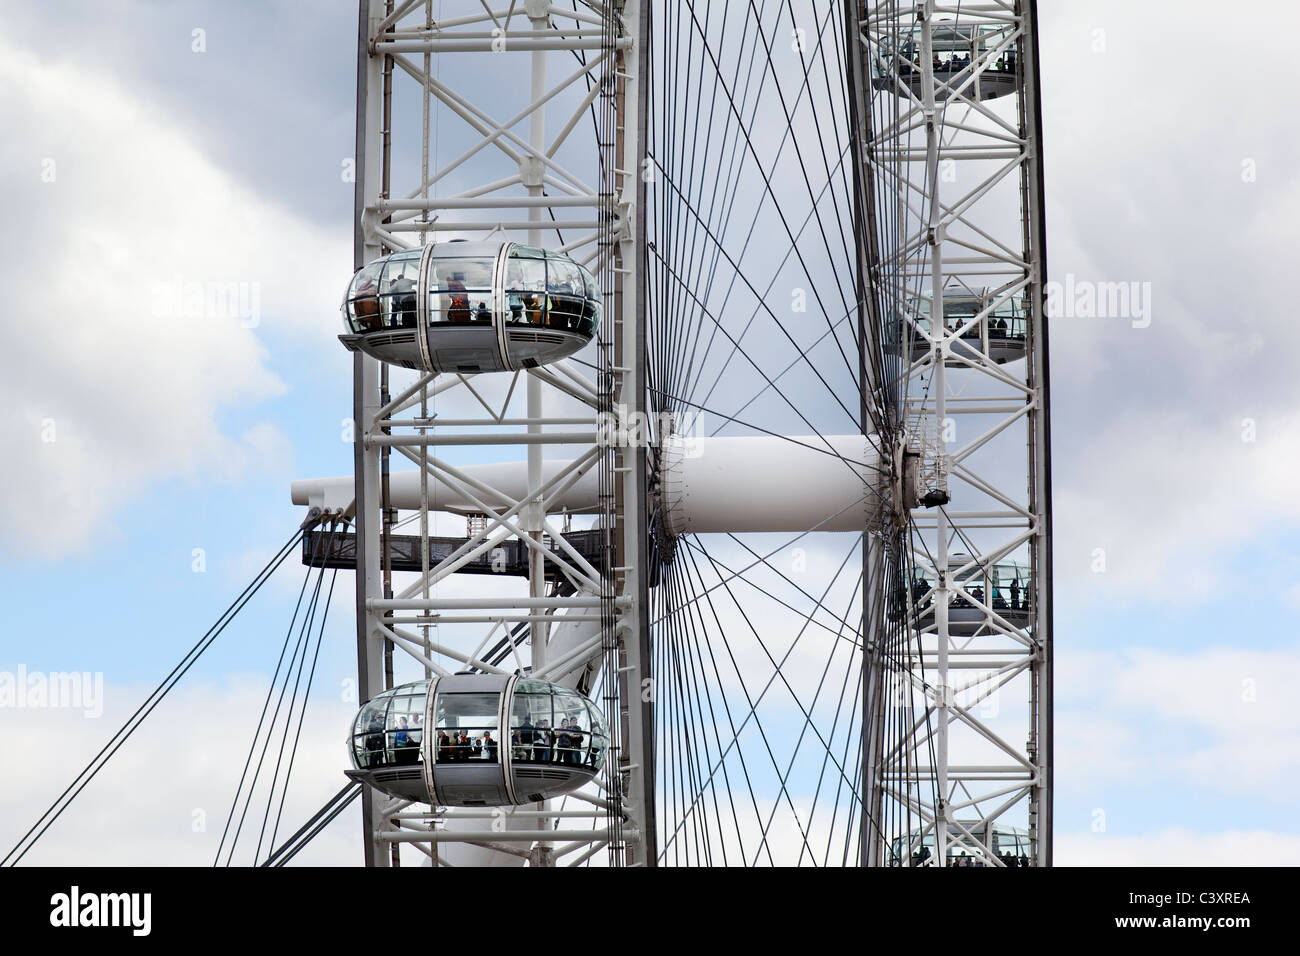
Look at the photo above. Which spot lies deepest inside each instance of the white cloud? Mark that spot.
(1213, 721)
(1178, 847)
(1145, 182)
(131, 388)
(1167, 497)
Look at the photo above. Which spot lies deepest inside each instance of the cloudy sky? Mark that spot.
(149, 461)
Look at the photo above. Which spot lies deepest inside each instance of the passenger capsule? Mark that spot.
(474, 740)
(471, 307)
(1003, 589)
(985, 324)
(1010, 845)
(957, 54)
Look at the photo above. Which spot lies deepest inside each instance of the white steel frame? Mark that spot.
(945, 240)
(398, 41)
(939, 240)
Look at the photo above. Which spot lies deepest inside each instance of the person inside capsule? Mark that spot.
(458, 309)
(399, 288)
(553, 726)
(466, 721)
(567, 294)
(372, 754)
(406, 744)
(455, 285)
(536, 305)
(365, 304)
(526, 286)
(404, 734)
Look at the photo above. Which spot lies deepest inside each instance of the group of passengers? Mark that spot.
(954, 62)
(401, 309)
(456, 301)
(998, 327)
(1017, 602)
(541, 743)
(922, 596)
(400, 294)
(404, 742)
(572, 313)
(1007, 859)
(569, 312)
(457, 746)
(922, 856)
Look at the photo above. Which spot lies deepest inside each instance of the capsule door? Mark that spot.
(464, 762)
(459, 305)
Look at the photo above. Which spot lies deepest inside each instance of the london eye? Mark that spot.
(773, 514)
(700, 510)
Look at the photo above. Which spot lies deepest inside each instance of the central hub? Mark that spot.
(906, 477)
(766, 483)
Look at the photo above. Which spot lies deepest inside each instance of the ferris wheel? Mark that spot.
(713, 336)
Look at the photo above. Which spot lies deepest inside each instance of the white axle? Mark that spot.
(709, 485)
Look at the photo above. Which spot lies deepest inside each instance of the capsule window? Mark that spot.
(405, 729)
(368, 735)
(960, 310)
(563, 277)
(397, 292)
(953, 48)
(526, 297)
(591, 285)
(1007, 320)
(460, 291)
(568, 294)
(532, 723)
(972, 580)
(572, 729)
(467, 728)
(363, 301)
(598, 741)
(1011, 586)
